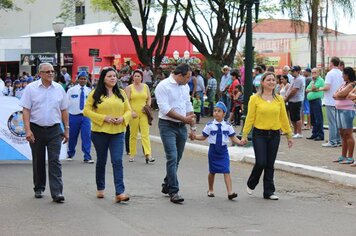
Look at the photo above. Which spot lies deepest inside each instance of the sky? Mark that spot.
(345, 25)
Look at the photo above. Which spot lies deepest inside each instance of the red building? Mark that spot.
(116, 50)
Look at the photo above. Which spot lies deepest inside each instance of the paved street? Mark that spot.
(307, 206)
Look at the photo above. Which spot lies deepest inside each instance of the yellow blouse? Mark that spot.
(267, 115)
(112, 106)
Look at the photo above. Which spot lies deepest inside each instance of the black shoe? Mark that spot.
(165, 189)
(319, 139)
(59, 198)
(176, 198)
(38, 194)
(232, 196)
(311, 137)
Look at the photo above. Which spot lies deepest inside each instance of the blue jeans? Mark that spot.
(316, 118)
(79, 123)
(334, 135)
(174, 136)
(265, 145)
(115, 143)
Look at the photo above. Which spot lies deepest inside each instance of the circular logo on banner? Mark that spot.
(16, 125)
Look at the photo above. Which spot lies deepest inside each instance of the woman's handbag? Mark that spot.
(147, 109)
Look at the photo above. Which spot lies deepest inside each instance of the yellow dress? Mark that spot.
(138, 100)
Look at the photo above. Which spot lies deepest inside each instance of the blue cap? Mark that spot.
(17, 82)
(222, 106)
(8, 81)
(82, 74)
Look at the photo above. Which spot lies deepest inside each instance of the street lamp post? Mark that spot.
(58, 26)
(249, 58)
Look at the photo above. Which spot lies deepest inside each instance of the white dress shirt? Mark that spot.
(45, 104)
(172, 96)
(73, 95)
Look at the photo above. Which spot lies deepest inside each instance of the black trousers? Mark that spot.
(49, 138)
(265, 145)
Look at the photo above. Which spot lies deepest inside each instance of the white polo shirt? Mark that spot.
(73, 95)
(172, 96)
(45, 104)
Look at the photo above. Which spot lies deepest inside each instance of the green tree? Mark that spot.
(9, 5)
(214, 27)
(145, 50)
(296, 9)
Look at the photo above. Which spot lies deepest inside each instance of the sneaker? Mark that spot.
(328, 145)
(69, 159)
(353, 164)
(339, 145)
(348, 161)
(272, 197)
(100, 194)
(131, 159)
(340, 159)
(297, 136)
(249, 191)
(38, 194)
(89, 161)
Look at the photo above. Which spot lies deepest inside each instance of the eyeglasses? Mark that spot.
(48, 72)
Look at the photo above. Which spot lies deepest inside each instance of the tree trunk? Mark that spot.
(313, 28)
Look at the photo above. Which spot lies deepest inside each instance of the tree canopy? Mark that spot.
(145, 50)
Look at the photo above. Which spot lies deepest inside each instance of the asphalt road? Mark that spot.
(306, 206)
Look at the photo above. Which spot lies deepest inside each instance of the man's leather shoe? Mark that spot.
(58, 198)
(175, 198)
(38, 194)
(311, 137)
(122, 198)
(165, 189)
(318, 139)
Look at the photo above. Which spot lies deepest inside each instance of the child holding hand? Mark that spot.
(218, 133)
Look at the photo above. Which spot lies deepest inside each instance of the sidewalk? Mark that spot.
(306, 157)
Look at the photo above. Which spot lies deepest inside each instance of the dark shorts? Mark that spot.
(294, 110)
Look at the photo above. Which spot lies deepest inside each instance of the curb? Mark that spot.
(247, 155)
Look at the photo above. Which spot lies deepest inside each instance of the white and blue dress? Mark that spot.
(218, 134)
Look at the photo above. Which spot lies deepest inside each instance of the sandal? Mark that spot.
(348, 160)
(340, 159)
(210, 194)
(353, 164)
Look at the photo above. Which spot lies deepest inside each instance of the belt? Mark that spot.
(265, 132)
(80, 114)
(44, 127)
(173, 123)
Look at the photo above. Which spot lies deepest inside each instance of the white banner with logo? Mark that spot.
(13, 144)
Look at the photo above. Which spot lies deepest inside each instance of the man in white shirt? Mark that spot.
(333, 82)
(175, 111)
(147, 76)
(77, 97)
(45, 105)
(223, 87)
(66, 76)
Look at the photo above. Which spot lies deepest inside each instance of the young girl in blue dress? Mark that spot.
(218, 133)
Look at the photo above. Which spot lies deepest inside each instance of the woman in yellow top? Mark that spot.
(139, 96)
(267, 114)
(109, 110)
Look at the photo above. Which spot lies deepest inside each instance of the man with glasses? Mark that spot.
(175, 111)
(45, 105)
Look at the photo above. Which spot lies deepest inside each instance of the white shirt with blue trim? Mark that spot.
(210, 131)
